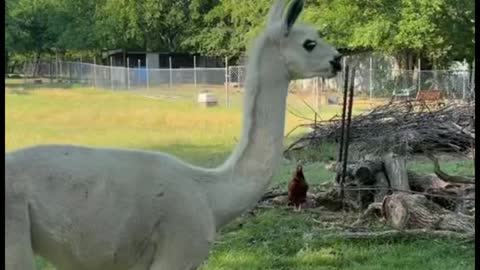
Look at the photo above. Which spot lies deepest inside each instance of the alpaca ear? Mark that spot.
(276, 12)
(292, 15)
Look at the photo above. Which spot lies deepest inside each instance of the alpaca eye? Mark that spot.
(309, 44)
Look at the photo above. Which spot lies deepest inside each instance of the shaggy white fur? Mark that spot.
(115, 209)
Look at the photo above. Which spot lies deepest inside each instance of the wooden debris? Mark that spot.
(417, 233)
(412, 211)
(389, 127)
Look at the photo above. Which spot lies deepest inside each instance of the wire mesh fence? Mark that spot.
(227, 83)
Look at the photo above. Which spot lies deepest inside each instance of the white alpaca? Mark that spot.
(114, 209)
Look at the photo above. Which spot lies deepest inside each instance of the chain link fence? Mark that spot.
(227, 83)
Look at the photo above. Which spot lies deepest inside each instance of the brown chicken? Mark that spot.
(297, 189)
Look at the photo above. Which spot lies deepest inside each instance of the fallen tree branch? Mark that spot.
(368, 213)
(417, 233)
(385, 128)
(449, 178)
(271, 195)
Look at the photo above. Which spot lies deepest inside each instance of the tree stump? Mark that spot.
(383, 185)
(369, 181)
(364, 173)
(396, 170)
(411, 211)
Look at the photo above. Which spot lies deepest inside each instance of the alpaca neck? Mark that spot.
(246, 174)
(260, 145)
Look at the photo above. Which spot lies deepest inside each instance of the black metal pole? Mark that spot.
(347, 131)
(342, 130)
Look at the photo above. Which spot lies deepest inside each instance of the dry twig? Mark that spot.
(388, 127)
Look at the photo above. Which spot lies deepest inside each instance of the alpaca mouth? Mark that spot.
(331, 73)
(336, 67)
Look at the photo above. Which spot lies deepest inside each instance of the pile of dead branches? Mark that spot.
(404, 125)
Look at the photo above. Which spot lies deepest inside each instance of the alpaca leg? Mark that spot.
(187, 238)
(183, 250)
(18, 246)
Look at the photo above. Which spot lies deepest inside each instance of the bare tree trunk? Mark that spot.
(6, 60)
(37, 61)
(14, 65)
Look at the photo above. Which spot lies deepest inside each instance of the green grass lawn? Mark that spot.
(271, 239)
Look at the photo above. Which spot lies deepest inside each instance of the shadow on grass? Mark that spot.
(282, 240)
(278, 239)
(44, 85)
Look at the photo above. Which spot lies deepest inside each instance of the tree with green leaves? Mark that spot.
(30, 26)
(437, 31)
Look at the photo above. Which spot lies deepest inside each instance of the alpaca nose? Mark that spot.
(336, 65)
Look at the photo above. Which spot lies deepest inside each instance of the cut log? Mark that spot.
(389, 175)
(396, 170)
(443, 192)
(363, 172)
(422, 183)
(411, 211)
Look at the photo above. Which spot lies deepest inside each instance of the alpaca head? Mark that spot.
(303, 52)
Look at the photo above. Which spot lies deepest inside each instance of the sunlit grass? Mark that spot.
(122, 119)
(281, 240)
(271, 240)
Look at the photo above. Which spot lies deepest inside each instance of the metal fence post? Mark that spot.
(94, 72)
(464, 82)
(81, 69)
(419, 74)
(139, 64)
(344, 65)
(25, 65)
(50, 70)
(128, 73)
(227, 101)
(61, 68)
(195, 71)
(56, 65)
(147, 72)
(472, 76)
(370, 79)
(70, 72)
(80, 66)
(239, 77)
(111, 72)
(104, 79)
(170, 71)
